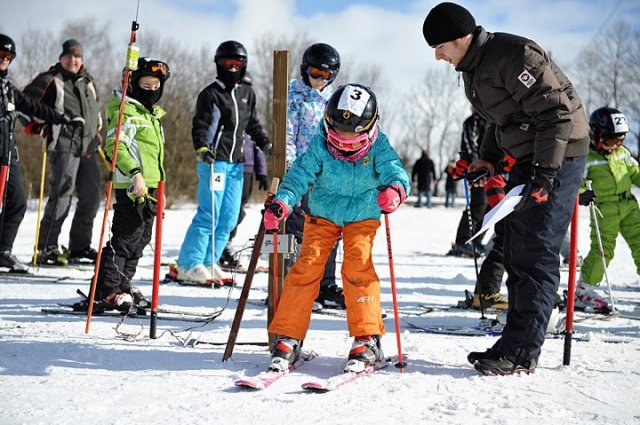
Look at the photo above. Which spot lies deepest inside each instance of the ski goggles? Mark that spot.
(229, 63)
(317, 73)
(348, 144)
(155, 68)
(7, 55)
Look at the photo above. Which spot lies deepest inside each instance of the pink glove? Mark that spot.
(274, 213)
(390, 198)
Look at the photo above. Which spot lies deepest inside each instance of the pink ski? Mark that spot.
(267, 378)
(338, 381)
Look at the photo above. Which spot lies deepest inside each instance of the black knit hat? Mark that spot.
(71, 47)
(447, 22)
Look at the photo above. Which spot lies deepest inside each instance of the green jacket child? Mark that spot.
(612, 171)
(139, 168)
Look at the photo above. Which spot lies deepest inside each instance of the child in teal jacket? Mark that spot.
(356, 176)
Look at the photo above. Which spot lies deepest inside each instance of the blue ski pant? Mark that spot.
(196, 248)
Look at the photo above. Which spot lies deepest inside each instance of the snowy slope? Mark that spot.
(52, 372)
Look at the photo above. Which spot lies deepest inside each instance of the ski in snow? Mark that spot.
(337, 381)
(269, 377)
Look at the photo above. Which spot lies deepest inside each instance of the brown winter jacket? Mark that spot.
(534, 111)
(76, 95)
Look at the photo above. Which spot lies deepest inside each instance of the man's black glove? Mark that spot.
(586, 197)
(206, 155)
(263, 184)
(536, 192)
(72, 121)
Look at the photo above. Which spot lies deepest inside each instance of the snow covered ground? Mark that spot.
(52, 372)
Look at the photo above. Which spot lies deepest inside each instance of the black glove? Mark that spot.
(586, 197)
(476, 175)
(206, 155)
(69, 120)
(536, 192)
(263, 184)
(266, 149)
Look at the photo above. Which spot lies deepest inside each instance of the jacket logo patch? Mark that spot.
(526, 78)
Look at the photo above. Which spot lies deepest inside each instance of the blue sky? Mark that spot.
(393, 26)
(382, 32)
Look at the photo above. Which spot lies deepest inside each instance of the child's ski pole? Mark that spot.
(594, 214)
(131, 65)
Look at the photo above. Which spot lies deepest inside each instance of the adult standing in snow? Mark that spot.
(14, 204)
(307, 98)
(349, 148)
(536, 116)
(225, 110)
(450, 185)
(423, 174)
(73, 161)
(473, 131)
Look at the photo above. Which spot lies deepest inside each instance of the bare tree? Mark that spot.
(606, 74)
(431, 119)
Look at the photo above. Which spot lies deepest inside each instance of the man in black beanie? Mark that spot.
(536, 116)
(73, 159)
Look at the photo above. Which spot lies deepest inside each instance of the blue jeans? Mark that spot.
(427, 194)
(196, 248)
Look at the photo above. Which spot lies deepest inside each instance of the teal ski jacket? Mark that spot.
(343, 192)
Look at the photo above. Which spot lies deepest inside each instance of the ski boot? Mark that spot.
(7, 259)
(51, 255)
(284, 353)
(365, 351)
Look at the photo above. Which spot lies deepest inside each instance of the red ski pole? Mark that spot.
(401, 363)
(157, 260)
(131, 65)
(276, 294)
(4, 177)
(571, 286)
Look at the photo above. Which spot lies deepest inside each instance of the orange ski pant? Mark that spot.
(360, 282)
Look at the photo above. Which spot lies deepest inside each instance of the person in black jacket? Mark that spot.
(473, 130)
(536, 116)
(14, 202)
(424, 172)
(450, 185)
(225, 110)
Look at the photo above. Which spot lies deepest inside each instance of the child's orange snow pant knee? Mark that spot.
(359, 279)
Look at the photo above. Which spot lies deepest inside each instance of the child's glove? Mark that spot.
(586, 197)
(263, 184)
(274, 213)
(206, 155)
(461, 169)
(537, 191)
(390, 198)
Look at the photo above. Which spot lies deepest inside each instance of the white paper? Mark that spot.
(500, 211)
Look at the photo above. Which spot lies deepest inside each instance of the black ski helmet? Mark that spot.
(230, 50)
(148, 67)
(321, 56)
(352, 107)
(7, 44)
(607, 123)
